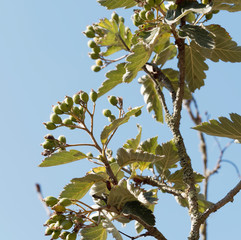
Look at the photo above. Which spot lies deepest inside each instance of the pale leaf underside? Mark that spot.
(112, 4)
(229, 5)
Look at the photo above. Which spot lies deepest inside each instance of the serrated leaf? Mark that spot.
(139, 210)
(151, 98)
(225, 49)
(195, 66)
(80, 186)
(116, 123)
(199, 34)
(94, 233)
(173, 77)
(134, 142)
(223, 128)
(99, 189)
(112, 4)
(128, 156)
(149, 145)
(110, 227)
(166, 54)
(173, 16)
(229, 5)
(62, 157)
(171, 157)
(114, 77)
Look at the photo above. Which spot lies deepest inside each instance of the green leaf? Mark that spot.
(173, 16)
(110, 227)
(62, 157)
(199, 34)
(195, 67)
(116, 123)
(134, 142)
(94, 233)
(114, 77)
(223, 128)
(151, 97)
(139, 210)
(80, 186)
(149, 145)
(229, 5)
(171, 157)
(119, 196)
(166, 54)
(112, 4)
(225, 49)
(128, 156)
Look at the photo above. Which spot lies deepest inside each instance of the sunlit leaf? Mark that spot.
(223, 128)
(94, 233)
(134, 142)
(112, 4)
(149, 145)
(62, 157)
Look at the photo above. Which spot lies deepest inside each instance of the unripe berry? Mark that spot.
(76, 111)
(89, 154)
(65, 202)
(142, 14)
(115, 17)
(62, 139)
(50, 126)
(150, 2)
(48, 222)
(90, 28)
(95, 68)
(58, 208)
(147, 7)
(71, 236)
(67, 122)
(99, 62)
(150, 15)
(48, 231)
(82, 110)
(55, 118)
(112, 100)
(64, 234)
(111, 118)
(55, 234)
(209, 16)
(190, 17)
(57, 217)
(50, 201)
(205, 1)
(94, 55)
(90, 34)
(48, 144)
(64, 107)
(69, 101)
(96, 49)
(93, 95)
(76, 98)
(106, 112)
(84, 97)
(66, 225)
(57, 110)
(91, 44)
(138, 113)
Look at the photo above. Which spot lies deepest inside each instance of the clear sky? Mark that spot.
(43, 57)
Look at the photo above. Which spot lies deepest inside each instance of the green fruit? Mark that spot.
(93, 95)
(205, 1)
(57, 217)
(62, 139)
(50, 126)
(150, 15)
(142, 14)
(48, 231)
(76, 98)
(48, 144)
(95, 68)
(72, 118)
(115, 17)
(209, 16)
(58, 208)
(65, 202)
(112, 160)
(49, 137)
(96, 49)
(94, 55)
(55, 234)
(138, 113)
(90, 34)
(147, 7)
(150, 2)
(90, 28)
(71, 236)
(113, 100)
(57, 110)
(111, 118)
(64, 234)
(91, 44)
(55, 118)
(106, 112)
(158, 2)
(190, 17)
(82, 110)
(89, 154)
(69, 101)
(57, 225)
(84, 97)
(99, 62)
(50, 201)
(76, 111)
(66, 225)
(67, 122)
(137, 20)
(64, 107)
(48, 222)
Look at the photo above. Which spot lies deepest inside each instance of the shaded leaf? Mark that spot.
(195, 67)
(166, 54)
(199, 34)
(229, 5)
(114, 77)
(134, 142)
(112, 4)
(223, 128)
(94, 233)
(139, 210)
(110, 227)
(116, 123)
(151, 97)
(62, 157)
(80, 186)
(97, 191)
(149, 145)
(225, 49)
(128, 156)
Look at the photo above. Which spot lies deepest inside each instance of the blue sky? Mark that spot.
(43, 57)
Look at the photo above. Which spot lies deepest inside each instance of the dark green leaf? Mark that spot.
(112, 4)
(62, 157)
(94, 233)
(134, 142)
(223, 128)
(151, 98)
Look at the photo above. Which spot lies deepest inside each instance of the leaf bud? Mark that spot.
(115, 17)
(50, 126)
(93, 95)
(57, 110)
(65, 202)
(55, 118)
(50, 201)
(62, 139)
(121, 19)
(84, 97)
(112, 100)
(106, 112)
(138, 113)
(95, 68)
(89, 155)
(91, 44)
(71, 236)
